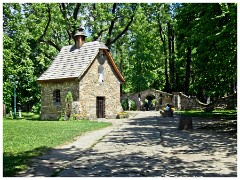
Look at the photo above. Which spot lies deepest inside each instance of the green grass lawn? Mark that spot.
(223, 114)
(218, 121)
(26, 138)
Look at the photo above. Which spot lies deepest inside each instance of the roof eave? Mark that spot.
(114, 66)
(40, 81)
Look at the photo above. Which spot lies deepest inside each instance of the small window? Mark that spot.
(100, 74)
(101, 57)
(56, 96)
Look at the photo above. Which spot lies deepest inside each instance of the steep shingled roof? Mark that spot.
(71, 62)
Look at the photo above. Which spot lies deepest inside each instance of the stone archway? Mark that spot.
(162, 98)
(150, 103)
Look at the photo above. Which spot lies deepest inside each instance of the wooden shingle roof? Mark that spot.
(72, 63)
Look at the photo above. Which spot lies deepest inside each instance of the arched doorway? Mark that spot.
(150, 103)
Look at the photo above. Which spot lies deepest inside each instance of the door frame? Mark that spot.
(100, 106)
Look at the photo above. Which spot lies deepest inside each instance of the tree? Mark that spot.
(69, 101)
(208, 31)
(28, 51)
(190, 47)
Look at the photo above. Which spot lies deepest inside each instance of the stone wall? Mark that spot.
(163, 98)
(182, 102)
(91, 88)
(85, 92)
(51, 110)
(228, 102)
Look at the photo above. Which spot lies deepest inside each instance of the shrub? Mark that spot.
(36, 108)
(69, 100)
(133, 105)
(125, 105)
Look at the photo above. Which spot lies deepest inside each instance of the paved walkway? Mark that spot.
(144, 145)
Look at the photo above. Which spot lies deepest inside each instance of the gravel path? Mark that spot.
(143, 145)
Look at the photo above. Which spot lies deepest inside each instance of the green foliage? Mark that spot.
(27, 138)
(199, 57)
(125, 105)
(133, 105)
(36, 108)
(69, 100)
(210, 30)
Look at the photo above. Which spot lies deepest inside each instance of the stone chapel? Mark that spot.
(87, 69)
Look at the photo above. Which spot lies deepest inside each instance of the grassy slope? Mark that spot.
(24, 139)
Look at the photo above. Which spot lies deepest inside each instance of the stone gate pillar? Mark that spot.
(176, 101)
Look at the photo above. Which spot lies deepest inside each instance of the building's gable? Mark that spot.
(100, 67)
(71, 62)
(91, 88)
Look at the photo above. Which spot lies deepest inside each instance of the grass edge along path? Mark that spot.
(226, 114)
(25, 139)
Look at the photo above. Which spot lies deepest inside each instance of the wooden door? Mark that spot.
(100, 107)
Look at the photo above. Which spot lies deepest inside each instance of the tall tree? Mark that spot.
(209, 32)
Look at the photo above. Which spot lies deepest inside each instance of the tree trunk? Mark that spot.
(121, 68)
(188, 71)
(166, 88)
(170, 56)
(185, 123)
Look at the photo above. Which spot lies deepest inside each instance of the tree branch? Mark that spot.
(41, 39)
(112, 24)
(50, 42)
(99, 34)
(122, 33)
(75, 13)
(160, 31)
(48, 23)
(63, 11)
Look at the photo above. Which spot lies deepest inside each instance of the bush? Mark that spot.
(125, 106)
(69, 100)
(133, 105)
(36, 108)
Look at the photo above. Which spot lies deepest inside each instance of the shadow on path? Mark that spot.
(153, 146)
(146, 145)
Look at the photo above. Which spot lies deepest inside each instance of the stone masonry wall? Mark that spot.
(51, 110)
(163, 98)
(184, 102)
(90, 88)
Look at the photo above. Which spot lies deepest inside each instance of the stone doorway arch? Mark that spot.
(150, 102)
(162, 98)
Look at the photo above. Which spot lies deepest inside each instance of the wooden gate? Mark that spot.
(100, 107)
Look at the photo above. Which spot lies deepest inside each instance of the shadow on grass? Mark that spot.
(231, 114)
(216, 121)
(14, 163)
(31, 116)
(25, 116)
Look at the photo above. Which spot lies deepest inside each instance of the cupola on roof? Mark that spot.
(80, 32)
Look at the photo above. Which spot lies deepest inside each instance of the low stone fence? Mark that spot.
(229, 103)
(183, 102)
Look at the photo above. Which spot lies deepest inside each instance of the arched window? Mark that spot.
(56, 96)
